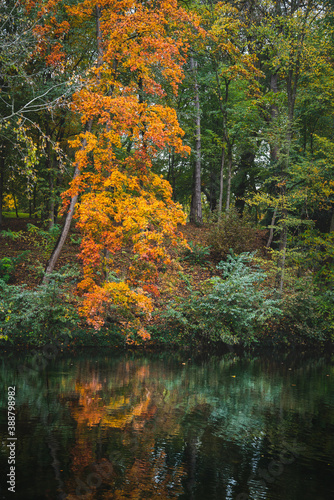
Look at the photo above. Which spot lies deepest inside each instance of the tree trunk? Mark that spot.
(171, 173)
(67, 225)
(52, 201)
(62, 238)
(196, 202)
(283, 245)
(244, 178)
(213, 191)
(274, 112)
(229, 179)
(15, 205)
(221, 184)
(271, 232)
(34, 201)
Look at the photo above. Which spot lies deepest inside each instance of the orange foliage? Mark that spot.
(50, 30)
(142, 47)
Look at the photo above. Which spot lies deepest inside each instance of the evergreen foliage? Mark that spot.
(231, 308)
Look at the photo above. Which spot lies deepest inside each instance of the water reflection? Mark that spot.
(147, 426)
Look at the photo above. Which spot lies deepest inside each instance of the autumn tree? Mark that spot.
(141, 48)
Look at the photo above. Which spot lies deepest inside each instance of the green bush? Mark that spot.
(12, 235)
(30, 315)
(231, 231)
(299, 322)
(307, 312)
(48, 314)
(8, 264)
(196, 254)
(231, 308)
(6, 268)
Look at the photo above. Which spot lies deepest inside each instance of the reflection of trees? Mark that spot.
(123, 418)
(221, 415)
(175, 429)
(150, 477)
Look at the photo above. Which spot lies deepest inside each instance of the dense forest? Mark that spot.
(172, 168)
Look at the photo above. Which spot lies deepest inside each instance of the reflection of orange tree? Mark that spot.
(118, 413)
(130, 411)
(88, 411)
(91, 410)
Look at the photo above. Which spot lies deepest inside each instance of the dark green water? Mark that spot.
(95, 425)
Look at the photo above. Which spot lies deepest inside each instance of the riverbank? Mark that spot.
(197, 302)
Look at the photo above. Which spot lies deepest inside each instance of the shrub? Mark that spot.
(12, 235)
(232, 308)
(75, 239)
(196, 253)
(6, 269)
(8, 264)
(30, 315)
(231, 231)
(300, 321)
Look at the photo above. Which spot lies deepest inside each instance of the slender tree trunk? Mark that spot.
(229, 179)
(15, 205)
(271, 232)
(171, 173)
(245, 177)
(67, 225)
(49, 198)
(196, 202)
(274, 112)
(62, 238)
(221, 184)
(275, 156)
(282, 248)
(52, 178)
(52, 201)
(34, 200)
(213, 191)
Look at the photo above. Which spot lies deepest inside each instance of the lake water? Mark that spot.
(100, 425)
